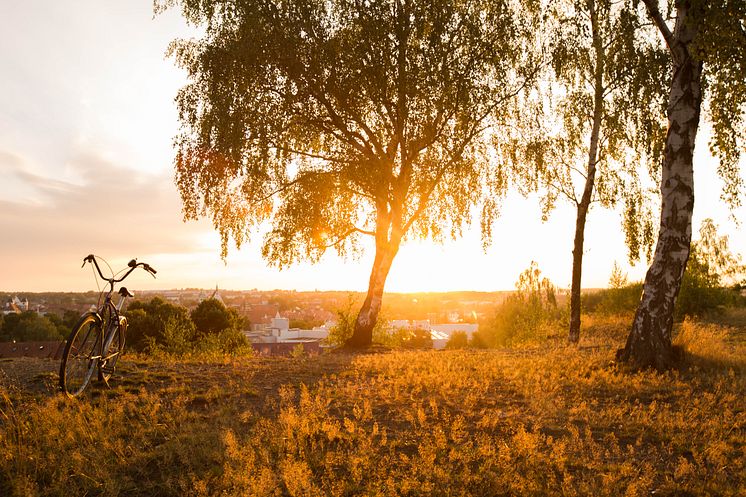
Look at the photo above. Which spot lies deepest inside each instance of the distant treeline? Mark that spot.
(154, 326)
(30, 326)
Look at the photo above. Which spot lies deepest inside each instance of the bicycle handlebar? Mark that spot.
(133, 264)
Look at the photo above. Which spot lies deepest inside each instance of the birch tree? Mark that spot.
(706, 42)
(343, 120)
(596, 125)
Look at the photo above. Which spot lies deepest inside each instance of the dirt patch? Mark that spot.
(30, 375)
(257, 379)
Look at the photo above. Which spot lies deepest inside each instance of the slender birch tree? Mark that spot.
(343, 120)
(600, 125)
(706, 41)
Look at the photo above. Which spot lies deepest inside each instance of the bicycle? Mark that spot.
(97, 340)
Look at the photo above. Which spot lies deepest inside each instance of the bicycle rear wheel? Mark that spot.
(81, 355)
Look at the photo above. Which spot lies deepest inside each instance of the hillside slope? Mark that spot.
(544, 421)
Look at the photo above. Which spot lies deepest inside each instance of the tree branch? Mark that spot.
(353, 138)
(339, 239)
(314, 156)
(660, 23)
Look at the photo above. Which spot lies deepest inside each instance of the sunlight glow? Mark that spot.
(101, 142)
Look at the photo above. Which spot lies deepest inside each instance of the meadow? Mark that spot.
(542, 419)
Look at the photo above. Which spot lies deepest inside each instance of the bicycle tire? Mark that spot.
(113, 352)
(78, 359)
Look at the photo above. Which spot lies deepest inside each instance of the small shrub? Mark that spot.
(230, 342)
(346, 317)
(621, 297)
(614, 300)
(458, 340)
(700, 292)
(531, 313)
(415, 339)
(298, 352)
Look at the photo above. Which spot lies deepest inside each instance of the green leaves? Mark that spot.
(338, 119)
(596, 119)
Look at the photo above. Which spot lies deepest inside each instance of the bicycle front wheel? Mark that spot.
(81, 355)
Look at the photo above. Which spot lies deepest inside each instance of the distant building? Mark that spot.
(439, 333)
(279, 331)
(259, 314)
(16, 306)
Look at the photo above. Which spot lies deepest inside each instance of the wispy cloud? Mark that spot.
(109, 209)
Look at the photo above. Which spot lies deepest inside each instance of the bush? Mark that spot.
(621, 297)
(159, 323)
(458, 340)
(701, 292)
(613, 301)
(710, 269)
(29, 327)
(159, 327)
(177, 337)
(346, 317)
(230, 342)
(524, 316)
(410, 339)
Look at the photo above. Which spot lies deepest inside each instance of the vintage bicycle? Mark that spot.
(97, 340)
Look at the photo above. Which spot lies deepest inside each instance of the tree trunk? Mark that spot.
(585, 201)
(649, 340)
(362, 335)
(577, 260)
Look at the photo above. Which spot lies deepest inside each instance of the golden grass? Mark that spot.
(552, 420)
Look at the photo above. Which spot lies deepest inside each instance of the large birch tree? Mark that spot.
(343, 120)
(706, 41)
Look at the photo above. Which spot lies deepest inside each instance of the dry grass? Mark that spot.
(553, 420)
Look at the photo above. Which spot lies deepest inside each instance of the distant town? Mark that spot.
(291, 317)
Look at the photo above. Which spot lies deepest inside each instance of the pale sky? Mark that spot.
(86, 125)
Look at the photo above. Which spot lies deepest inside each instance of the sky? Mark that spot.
(87, 119)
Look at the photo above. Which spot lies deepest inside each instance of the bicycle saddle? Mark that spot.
(125, 293)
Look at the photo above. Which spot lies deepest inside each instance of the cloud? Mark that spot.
(105, 208)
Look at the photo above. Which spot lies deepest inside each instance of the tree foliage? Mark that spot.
(721, 46)
(158, 322)
(341, 120)
(346, 110)
(158, 326)
(211, 316)
(597, 121)
(28, 326)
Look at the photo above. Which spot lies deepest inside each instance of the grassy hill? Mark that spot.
(543, 420)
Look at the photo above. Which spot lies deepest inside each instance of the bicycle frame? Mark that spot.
(109, 322)
(113, 320)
